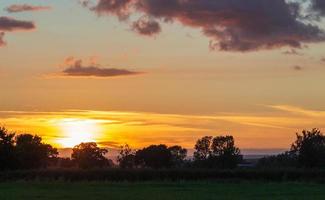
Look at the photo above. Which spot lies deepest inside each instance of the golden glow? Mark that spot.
(111, 129)
(77, 131)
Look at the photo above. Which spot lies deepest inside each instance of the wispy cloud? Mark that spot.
(293, 52)
(298, 110)
(25, 7)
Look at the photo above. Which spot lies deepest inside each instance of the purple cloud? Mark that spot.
(231, 25)
(146, 26)
(77, 69)
(8, 24)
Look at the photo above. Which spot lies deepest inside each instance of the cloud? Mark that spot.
(2, 42)
(143, 128)
(322, 59)
(8, 24)
(110, 144)
(299, 110)
(146, 26)
(118, 8)
(298, 68)
(318, 6)
(77, 69)
(231, 25)
(25, 7)
(293, 52)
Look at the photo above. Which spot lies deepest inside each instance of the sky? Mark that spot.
(162, 71)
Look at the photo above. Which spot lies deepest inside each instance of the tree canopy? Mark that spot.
(218, 152)
(32, 153)
(24, 151)
(154, 156)
(89, 155)
(309, 148)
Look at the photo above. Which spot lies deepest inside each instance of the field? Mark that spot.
(159, 191)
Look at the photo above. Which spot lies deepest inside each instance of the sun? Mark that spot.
(77, 131)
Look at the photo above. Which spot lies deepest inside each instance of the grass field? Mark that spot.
(159, 191)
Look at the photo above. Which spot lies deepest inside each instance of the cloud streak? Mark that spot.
(76, 68)
(231, 25)
(25, 7)
(8, 24)
(300, 111)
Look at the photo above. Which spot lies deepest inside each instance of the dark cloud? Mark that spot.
(322, 60)
(25, 7)
(318, 6)
(2, 42)
(146, 26)
(8, 24)
(231, 25)
(119, 8)
(297, 68)
(77, 69)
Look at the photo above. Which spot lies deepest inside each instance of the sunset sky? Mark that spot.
(162, 71)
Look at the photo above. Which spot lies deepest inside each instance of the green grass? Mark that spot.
(159, 191)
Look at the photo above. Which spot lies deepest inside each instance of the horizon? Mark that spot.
(247, 153)
(148, 72)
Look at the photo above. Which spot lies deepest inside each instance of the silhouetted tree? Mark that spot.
(89, 155)
(224, 152)
(309, 148)
(178, 155)
(32, 153)
(202, 148)
(7, 150)
(154, 156)
(219, 152)
(126, 157)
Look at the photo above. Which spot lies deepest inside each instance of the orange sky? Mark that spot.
(78, 75)
(112, 129)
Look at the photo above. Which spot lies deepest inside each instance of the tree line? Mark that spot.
(26, 151)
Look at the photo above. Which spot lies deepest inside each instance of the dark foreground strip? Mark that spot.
(168, 175)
